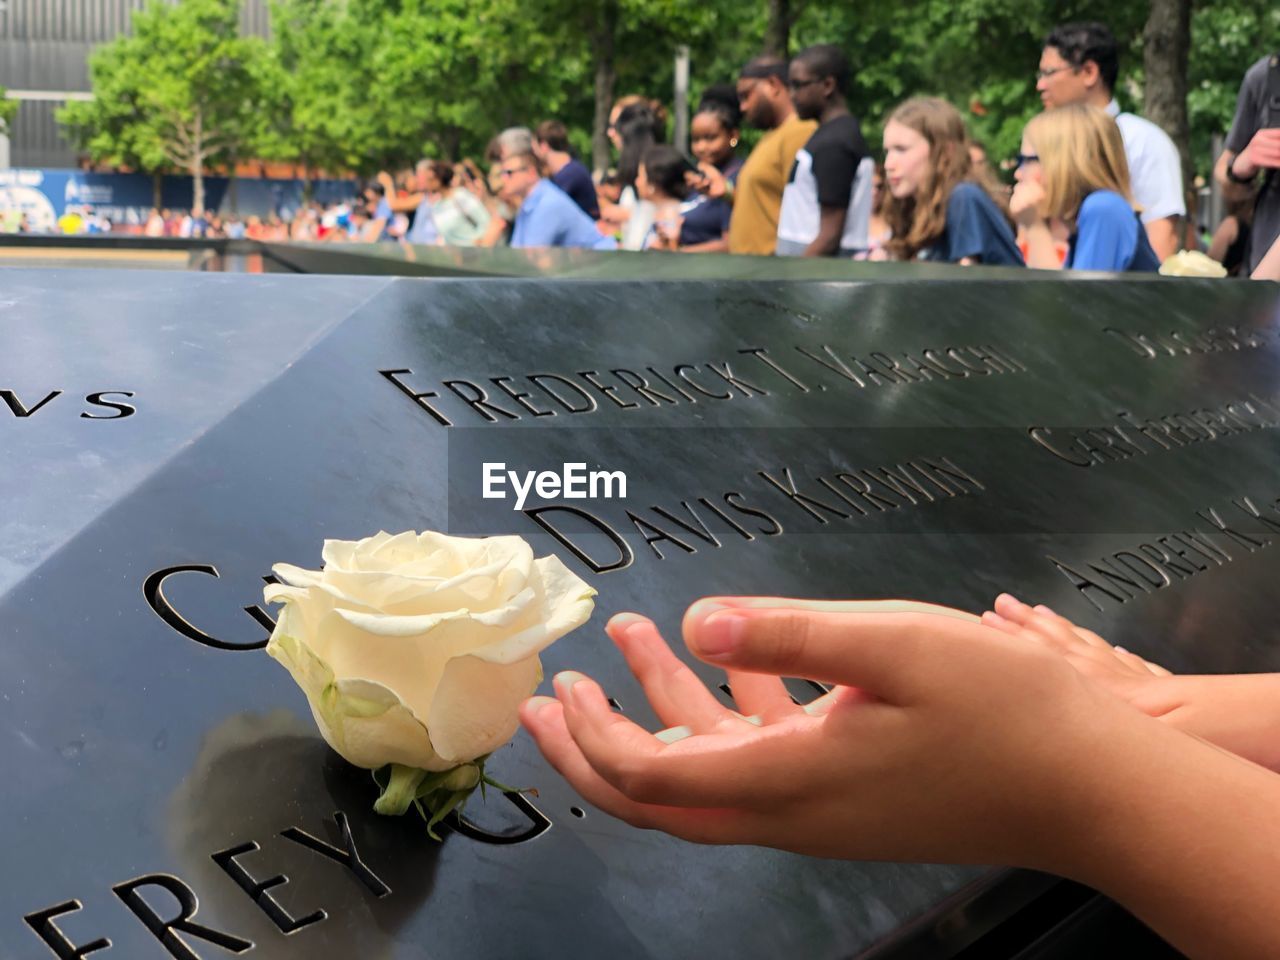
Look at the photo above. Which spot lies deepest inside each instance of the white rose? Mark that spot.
(417, 649)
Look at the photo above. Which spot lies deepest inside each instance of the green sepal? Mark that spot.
(402, 789)
(434, 794)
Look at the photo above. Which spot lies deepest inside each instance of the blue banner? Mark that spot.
(127, 198)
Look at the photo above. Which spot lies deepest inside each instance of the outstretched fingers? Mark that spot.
(676, 694)
(745, 767)
(543, 717)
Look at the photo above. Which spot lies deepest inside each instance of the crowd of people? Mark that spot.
(1095, 188)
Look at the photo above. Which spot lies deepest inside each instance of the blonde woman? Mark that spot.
(939, 207)
(1072, 169)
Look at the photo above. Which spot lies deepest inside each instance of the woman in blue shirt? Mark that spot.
(1073, 171)
(939, 207)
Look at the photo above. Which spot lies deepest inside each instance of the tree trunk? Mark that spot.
(233, 196)
(452, 142)
(157, 190)
(197, 167)
(777, 32)
(1166, 43)
(602, 41)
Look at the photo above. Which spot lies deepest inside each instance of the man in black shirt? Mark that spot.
(551, 146)
(826, 206)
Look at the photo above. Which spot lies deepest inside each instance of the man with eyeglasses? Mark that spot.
(826, 205)
(757, 198)
(1079, 64)
(546, 216)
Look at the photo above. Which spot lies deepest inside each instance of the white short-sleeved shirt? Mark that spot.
(833, 169)
(1155, 169)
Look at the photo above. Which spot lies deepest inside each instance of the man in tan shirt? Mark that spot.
(757, 199)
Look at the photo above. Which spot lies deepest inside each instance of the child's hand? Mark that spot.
(1142, 684)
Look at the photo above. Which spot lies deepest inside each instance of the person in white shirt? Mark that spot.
(1079, 64)
(826, 204)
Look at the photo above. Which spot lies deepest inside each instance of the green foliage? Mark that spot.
(180, 92)
(369, 84)
(8, 111)
(1226, 40)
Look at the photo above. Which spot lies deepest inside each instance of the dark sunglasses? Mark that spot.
(1025, 158)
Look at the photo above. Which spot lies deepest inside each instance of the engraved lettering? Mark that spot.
(1042, 435)
(349, 857)
(891, 365)
(748, 389)
(1247, 507)
(680, 372)
(762, 354)
(836, 365)
(519, 397)
(653, 535)
(606, 390)
(863, 489)
(1126, 585)
(806, 503)
(588, 401)
(538, 824)
(478, 400)
(641, 386)
(42, 923)
(153, 591)
(257, 889)
(1164, 561)
(1086, 585)
(775, 528)
(1210, 515)
(1204, 546)
(745, 534)
(124, 409)
(625, 556)
(17, 406)
(687, 396)
(419, 398)
(166, 931)
(902, 483)
(700, 530)
(947, 468)
(1141, 568)
(1177, 548)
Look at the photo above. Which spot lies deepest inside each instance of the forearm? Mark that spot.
(1240, 713)
(825, 244)
(1268, 267)
(1163, 236)
(1186, 837)
(1220, 168)
(710, 246)
(1041, 253)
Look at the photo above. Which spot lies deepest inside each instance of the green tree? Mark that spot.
(177, 93)
(8, 111)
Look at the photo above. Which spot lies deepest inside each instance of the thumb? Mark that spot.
(887, 654)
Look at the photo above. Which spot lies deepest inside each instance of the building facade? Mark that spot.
(44, 62)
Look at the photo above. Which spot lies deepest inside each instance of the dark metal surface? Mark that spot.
(405, 260)
(140, 745)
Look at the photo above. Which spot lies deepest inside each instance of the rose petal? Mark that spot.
(565, 603)
(363, 721)
(475, 705)
(370, 727)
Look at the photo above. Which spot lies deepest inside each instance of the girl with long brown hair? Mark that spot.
(939, 207)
